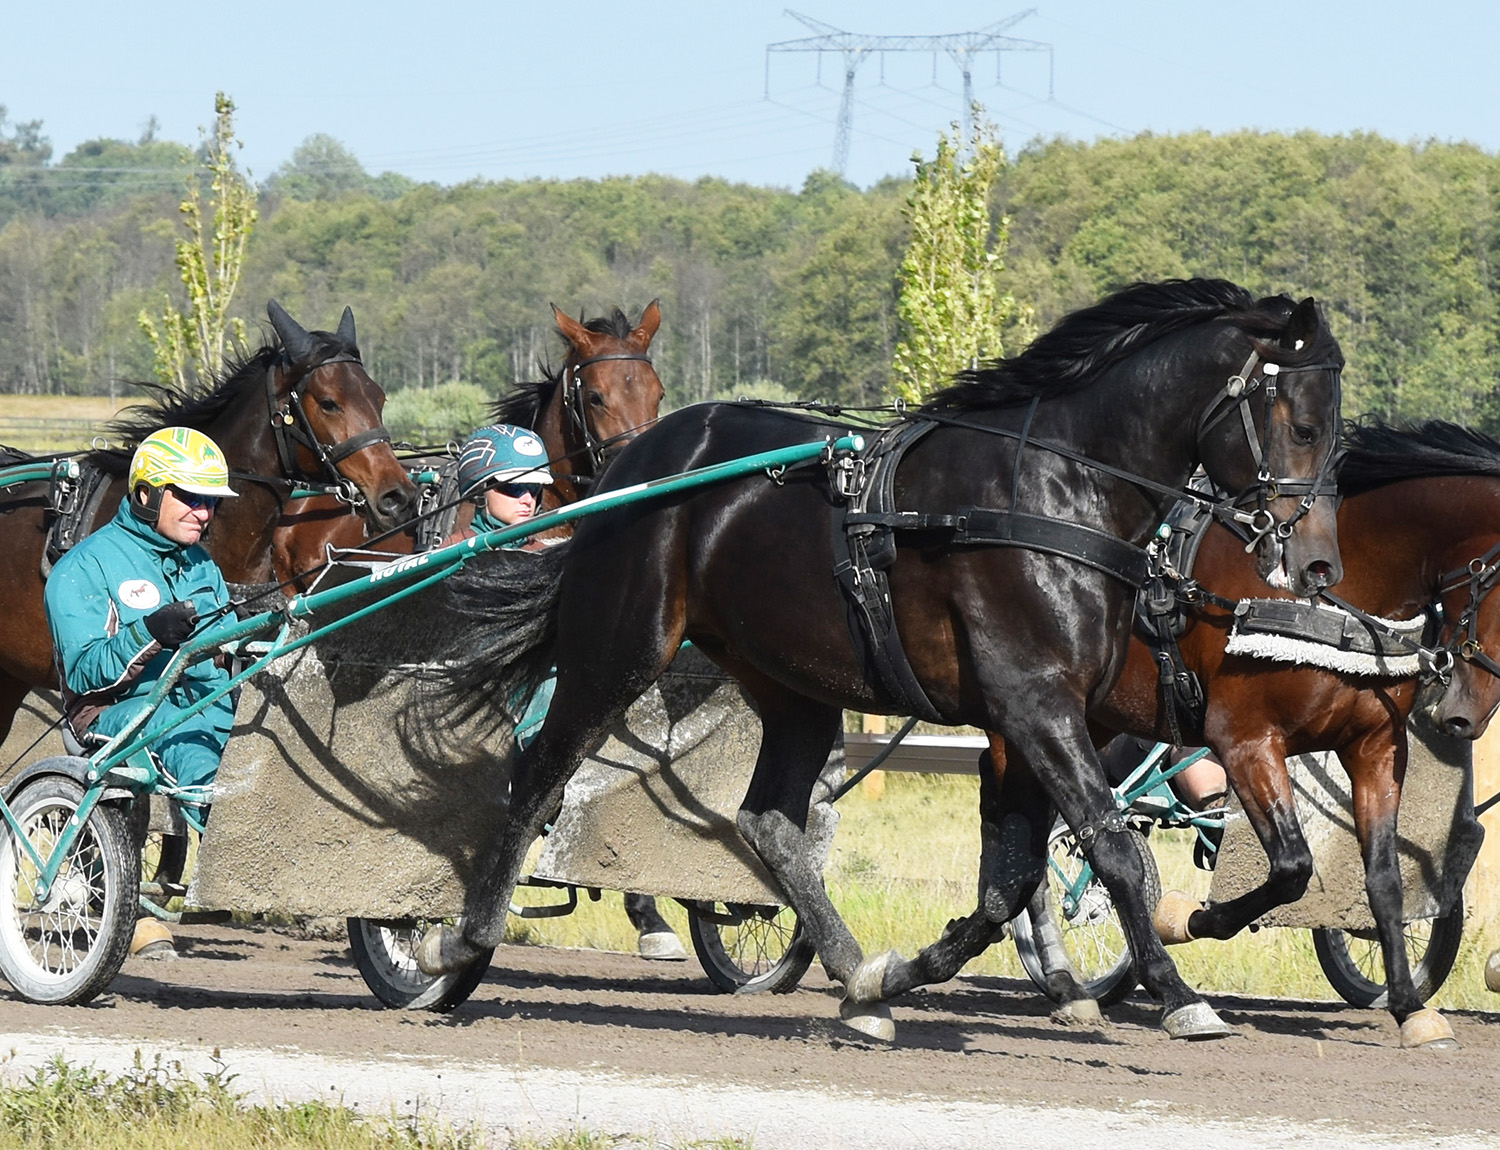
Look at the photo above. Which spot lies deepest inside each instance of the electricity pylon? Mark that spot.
(853, 47)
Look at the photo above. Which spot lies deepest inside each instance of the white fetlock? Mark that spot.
(662, 946)
(868, 981)
(1492, 972)
(1172, 915)
(1427, 1028)
(1079, 1012)
(1195, 1021)
(872, 1019)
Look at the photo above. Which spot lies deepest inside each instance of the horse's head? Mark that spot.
(1272, 436)
(1470, 644)
(608, 391)
(326, 411)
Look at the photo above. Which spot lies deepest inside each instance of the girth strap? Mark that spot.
(992, 527)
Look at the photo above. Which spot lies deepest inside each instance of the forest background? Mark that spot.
(765, 291)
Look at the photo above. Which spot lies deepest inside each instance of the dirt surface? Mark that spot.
(979, 1040)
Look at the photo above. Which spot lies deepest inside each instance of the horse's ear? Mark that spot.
(572, 331)
(1303, 326)
(650, 321)
(294, 338)
(346, 328)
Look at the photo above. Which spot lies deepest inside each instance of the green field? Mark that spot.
(44, 423)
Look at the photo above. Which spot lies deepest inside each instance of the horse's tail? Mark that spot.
(510, 599)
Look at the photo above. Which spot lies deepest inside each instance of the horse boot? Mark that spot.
(152, 939)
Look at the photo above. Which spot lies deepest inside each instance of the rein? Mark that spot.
(292, 428)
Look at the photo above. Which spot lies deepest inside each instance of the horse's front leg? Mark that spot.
(1057, 749)
(1376, 765)
(1256, 766)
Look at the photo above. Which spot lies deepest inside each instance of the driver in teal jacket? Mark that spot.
(121, 602)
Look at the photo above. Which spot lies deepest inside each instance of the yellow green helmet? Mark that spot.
(181, 457)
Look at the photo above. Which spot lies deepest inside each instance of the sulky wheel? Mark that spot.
(1085, 914)
(1355, 966)
(747, 949)
(385, 950)
(67, 947)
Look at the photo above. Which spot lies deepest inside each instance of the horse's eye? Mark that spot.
(329, 405)
(595, 399)
(1305, 435)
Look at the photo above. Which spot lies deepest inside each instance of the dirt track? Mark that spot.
(976, 1040)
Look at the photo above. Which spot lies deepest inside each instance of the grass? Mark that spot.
(56, 422)
(161, 1107)
(905, 863)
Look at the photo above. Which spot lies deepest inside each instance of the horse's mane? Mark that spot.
(1087, 342)
(198, 405)
(1381, 453)
(523, 406)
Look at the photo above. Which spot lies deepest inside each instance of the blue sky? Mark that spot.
(453, 89)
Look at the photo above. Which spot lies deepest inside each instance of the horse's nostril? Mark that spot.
(1457, 727)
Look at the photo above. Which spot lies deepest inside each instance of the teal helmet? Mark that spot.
(501, 453)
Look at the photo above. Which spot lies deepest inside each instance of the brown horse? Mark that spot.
(1417, 509)
(298, 411)
(605, 394)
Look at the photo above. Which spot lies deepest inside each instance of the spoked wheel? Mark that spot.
(1355, 965)
(385, 950)
(749, 948)
(1085, 916)
(66, 948)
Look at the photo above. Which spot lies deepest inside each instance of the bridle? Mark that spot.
(596, 449)
(1481, 575)
(291, 428)
(1257, 375)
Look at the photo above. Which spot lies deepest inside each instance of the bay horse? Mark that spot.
(605, 393)
(1415, 522)
(1096, 425)
(300, 410)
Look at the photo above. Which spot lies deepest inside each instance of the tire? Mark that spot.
(1092, 937)
(749, 948)
(385, 952)
(71, 948)
(1355, 966)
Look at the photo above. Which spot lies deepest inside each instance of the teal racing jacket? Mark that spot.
(97, 599)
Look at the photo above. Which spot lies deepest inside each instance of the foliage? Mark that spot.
(209, 264)
(432, 415)
(321, 168)
(952, 309)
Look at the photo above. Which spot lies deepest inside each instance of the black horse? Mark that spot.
(1097, 424)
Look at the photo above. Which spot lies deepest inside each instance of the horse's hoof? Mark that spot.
(1195, 1021)
(1079, 1012)
(662, 946)
(151, 940)
(1429, 1030)
(1492, 972)
(1171, 917)
(444, 950)
(868, 982)
(872, 1019)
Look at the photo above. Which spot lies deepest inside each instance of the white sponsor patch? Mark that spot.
(529, 445)
(139, 593)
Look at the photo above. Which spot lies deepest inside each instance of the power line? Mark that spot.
(854, 47)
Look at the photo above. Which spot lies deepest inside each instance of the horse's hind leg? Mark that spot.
(655, 936)
(592, 694)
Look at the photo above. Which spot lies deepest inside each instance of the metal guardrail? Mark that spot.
(925, 754)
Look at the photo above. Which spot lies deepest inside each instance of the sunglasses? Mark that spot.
(516, 490)
(193, 500)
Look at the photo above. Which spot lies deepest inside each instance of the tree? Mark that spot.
(192, 342)
(952, 310)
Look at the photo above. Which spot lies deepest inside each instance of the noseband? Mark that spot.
(573, 404)
(1236, 395)
(291, 428)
